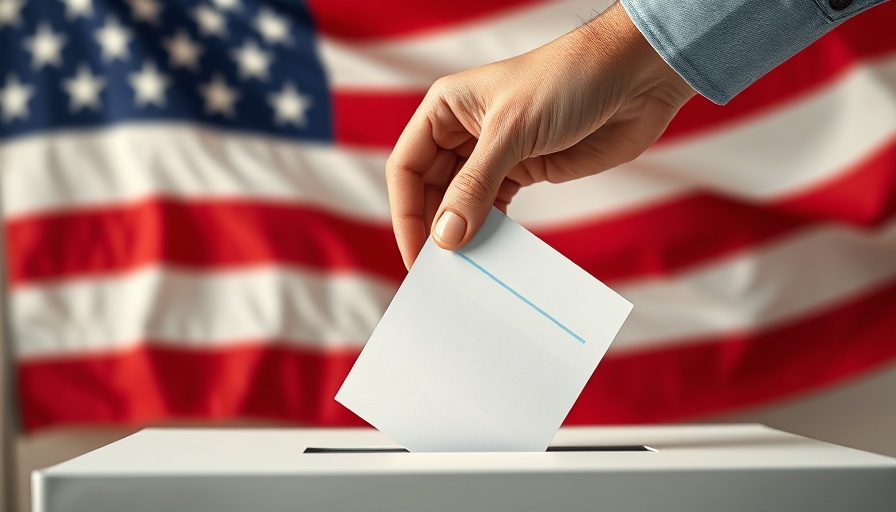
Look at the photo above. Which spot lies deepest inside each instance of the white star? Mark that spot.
(183, 52)
(84, 90)
(219, 98)
(75, 8)
(272, 27)
(149, 86)
(114, 40)
(228, 5)
(252, 61)
(45, 47)
(289, 106)
(14, 99)
(210, 21)
(146, 10)
(11, 12)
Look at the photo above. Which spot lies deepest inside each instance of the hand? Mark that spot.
(586, 102)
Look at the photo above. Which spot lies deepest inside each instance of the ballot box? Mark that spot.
(643, 469)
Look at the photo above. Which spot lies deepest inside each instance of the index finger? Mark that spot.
(410, 159)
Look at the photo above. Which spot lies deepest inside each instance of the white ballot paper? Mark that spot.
(485, 348)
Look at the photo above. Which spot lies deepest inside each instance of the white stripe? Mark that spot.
(415, 62)
(196, 310)
(120, 164)
(799, 276)
(623, 189)
(814, 270)
(768, 157)
(125, 163)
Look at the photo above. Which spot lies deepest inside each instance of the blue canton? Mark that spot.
(247, 65)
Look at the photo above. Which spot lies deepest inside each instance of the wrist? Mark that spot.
(615, 49)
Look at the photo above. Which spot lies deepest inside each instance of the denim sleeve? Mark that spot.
(722, 46)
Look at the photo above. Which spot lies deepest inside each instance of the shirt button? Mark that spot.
(839, 5)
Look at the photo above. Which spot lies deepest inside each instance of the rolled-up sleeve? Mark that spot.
(722, 46)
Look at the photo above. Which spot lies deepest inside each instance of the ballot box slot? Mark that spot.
(579, 448)
(611, 448)
(311, 449)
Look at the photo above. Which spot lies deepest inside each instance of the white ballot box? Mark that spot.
(644, 469)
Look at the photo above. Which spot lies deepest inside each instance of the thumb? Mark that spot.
(472, 192)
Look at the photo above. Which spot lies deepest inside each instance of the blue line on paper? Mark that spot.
(519, 296)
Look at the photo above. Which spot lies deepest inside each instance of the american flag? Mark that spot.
(197, 222)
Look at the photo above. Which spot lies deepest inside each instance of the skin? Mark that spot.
(586, 102)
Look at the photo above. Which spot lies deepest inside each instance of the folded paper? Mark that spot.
(486, 348)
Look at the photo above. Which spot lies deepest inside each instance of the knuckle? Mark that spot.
(442, 84)
(629, 152)
(395, 168)
(475, 186)
(442, 89)
(393, 164)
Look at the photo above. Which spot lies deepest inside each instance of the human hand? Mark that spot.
(586, 102)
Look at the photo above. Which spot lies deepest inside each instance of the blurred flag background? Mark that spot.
(197, 222)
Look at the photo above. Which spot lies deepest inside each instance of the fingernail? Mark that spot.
(450, 229)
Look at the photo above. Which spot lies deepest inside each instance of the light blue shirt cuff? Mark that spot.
(721, 46)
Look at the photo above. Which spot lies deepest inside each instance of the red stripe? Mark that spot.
(372, 118)
(863, 195)
(152, 384)
(149, 384)
(204, 235)
(855, 42)
(666, 238)
(671, 237)
(712, 375)
(364, 20)
(199, 234)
